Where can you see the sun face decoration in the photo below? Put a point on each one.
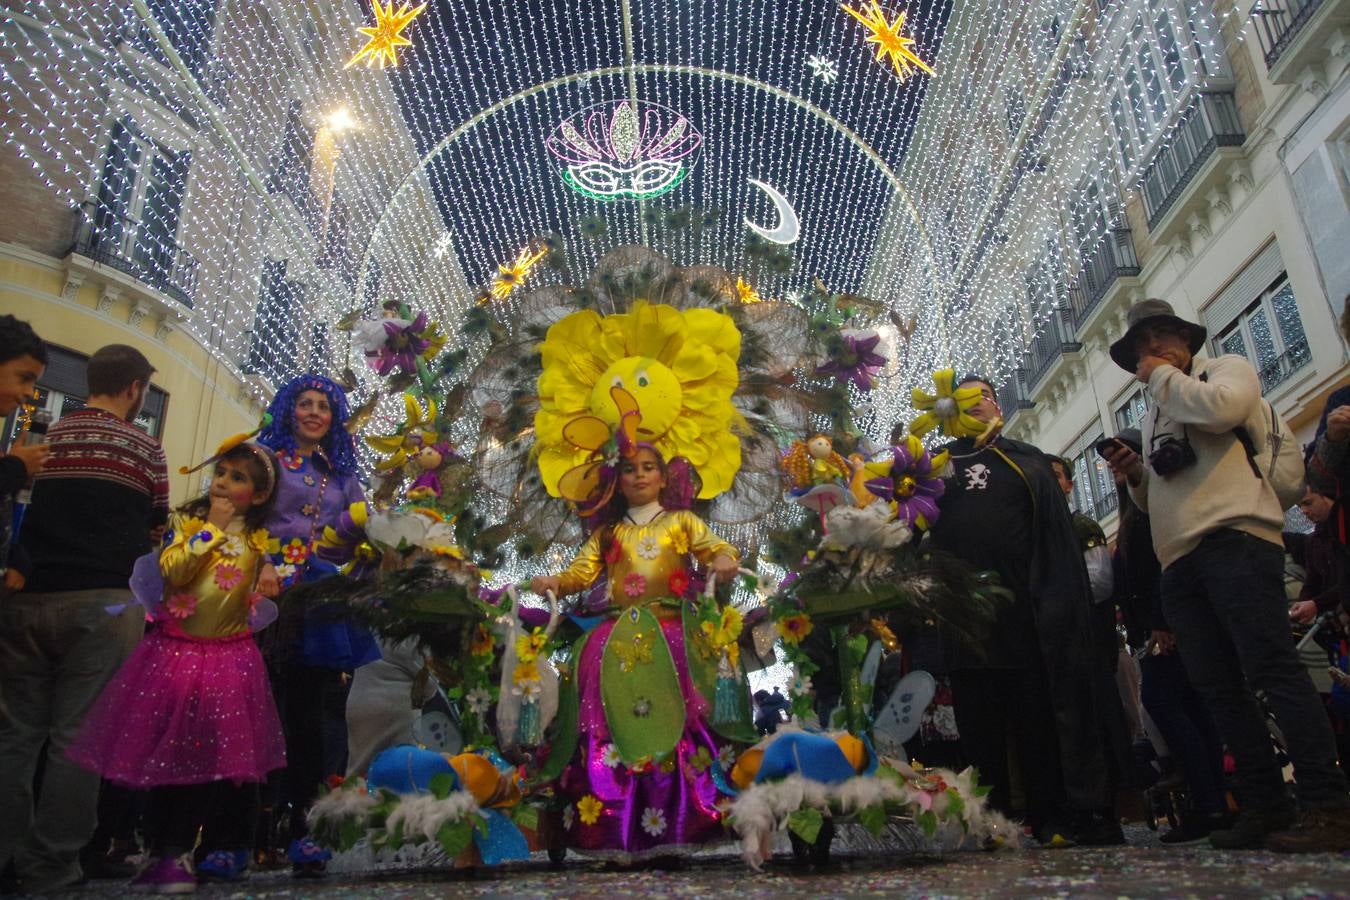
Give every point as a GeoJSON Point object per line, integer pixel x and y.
{"type": "Point", "coordinates": [680, 366]}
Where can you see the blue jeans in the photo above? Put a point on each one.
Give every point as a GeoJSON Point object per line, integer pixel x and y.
{"type": "Point", "coordinates": [1225, 602]}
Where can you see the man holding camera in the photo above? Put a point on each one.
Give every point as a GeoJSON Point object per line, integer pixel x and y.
{"type": "Point", "coordinates": [1216, 526]}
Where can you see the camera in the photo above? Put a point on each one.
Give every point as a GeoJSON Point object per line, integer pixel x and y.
{"type": "Point", "coordinates": [1170, 455]}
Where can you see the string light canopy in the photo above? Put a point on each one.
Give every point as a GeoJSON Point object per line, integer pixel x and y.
{"type": "Point", "coordinates": [196, 142]}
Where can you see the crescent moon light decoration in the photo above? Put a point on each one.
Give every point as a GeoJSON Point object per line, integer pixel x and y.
{"type": "Point", "coordinates": [789, 228]}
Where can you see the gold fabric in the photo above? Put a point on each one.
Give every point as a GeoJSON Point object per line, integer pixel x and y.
{"type": "Point", "coordinates": [651, 552]}
{"type": "Point", "coordinates": [219, 569]}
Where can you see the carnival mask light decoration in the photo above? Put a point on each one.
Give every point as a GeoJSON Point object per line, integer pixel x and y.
{"type": "Point", "coordinates": [625, 150]}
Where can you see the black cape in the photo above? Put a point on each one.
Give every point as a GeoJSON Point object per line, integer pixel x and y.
{"type": "Point", "coordinates": [1062, 602]}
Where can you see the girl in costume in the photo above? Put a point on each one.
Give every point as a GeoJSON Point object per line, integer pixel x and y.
{"type": "Point", "coordinates": [310, 661]}
{"type": "Point", "coordinates": [190, 715]}
{"type": "Point", "coordinates": [641, 783]}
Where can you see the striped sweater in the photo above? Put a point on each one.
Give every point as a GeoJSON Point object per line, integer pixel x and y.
{"type": "Point", "coordinates": [105, 486]}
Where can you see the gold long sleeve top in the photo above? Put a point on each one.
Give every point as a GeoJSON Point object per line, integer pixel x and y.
{"type": "Point", "coordinates": [210, 575]}
{"type": "Point", "coordinates": [642, 558]}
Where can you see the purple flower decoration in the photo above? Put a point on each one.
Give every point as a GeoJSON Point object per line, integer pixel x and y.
{"type": "Point", "coordinates": [907, 478]}
{"type": "Point", "coordinates": [856, 359]}
{"type": "Point", "coordinates": [403, 343]}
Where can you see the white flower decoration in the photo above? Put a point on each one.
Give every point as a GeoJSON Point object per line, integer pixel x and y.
{"type": "Point", "coordinates": [569, 816]}
{"type": "Point", "coordinates": [478, 701]}
{"type": "Point", "coordinates": [727, 756]}
{"type": "Point", "coordinates": [654, 821]}
{"type": "Point", "coordinates": [285, 571]}
{"type": "Point", "coordinates": [233, 545]}
{"type": "Point", "coordinates": [648, 547]}
{"type": "Point", "coordinates": [802, 685]}
{"type": "Point", "coordinates": [528, 689]}
{"type": "Point", "coordinates": [610, 756]}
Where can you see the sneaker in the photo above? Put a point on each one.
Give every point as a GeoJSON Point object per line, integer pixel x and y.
{"type": "Point", "coordinates": [1193, 829]}
{"type": "Point", "coordinates": [1316, 831]}
{"type": "Point", "coordinates": [1054, 837]}
{"type": "Point", "coordinates": [308, 859]}
{"type": "Point", "coordinates": [1249, 829]}
{"type": "Point", "coordinates": [166, 875]}
{"type": "Point", "coordinates": [223, 865]}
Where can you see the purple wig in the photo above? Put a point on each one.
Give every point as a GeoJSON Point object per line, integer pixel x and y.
{"type": "Point", "coordinates": [337, 444]}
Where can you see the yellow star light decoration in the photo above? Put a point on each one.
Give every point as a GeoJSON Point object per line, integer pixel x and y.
{"type": "Point", "coordinates": [746, 293]}
{"type": "Point", "coordinates": [513, 274]}
{"type": "Point", "coordinates": [890, 39]}
{"type": "Point", "coordinates": [386, 37]}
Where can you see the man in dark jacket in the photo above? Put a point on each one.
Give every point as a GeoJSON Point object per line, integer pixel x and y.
{"type": "Point", "coordinates": [1034, 689]}
{"type": "Point", "coordinates": [23, 358]}
{"type": "Point", "coordinates": [104, 489]}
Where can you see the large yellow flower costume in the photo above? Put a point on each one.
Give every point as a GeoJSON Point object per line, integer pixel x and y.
{"type": "Point", "coordinates": [680, 365]}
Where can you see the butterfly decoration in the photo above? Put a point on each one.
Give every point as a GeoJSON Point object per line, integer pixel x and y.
{"type": "Point", "coordinates": [591, 484]}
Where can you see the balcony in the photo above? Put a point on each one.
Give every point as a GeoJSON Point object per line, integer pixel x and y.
{"type": "Point", "coordinates": [1277, 371]}
{"type": "Point", "coordinates": [1054, 341]}
{"type": "Point", "coordinates": [126, 245]}
{"type": "Point", "coordinates": [1211, 123]}
{"type": "Point", "coordinates": [1012, 395]}
{"type": "Point", "coordinates": [1278, 23]}
{"type": "Point", "coordinates": [1112, 258]}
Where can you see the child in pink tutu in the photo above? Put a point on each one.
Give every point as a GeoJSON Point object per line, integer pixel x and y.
{"type": "Point", "coordinates": [190, 715]}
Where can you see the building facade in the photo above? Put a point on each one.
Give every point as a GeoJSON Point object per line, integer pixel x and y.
{"type": "Point", "coordinates": [1240, 218]}
{"type": "Point", "coordinates": [159, 193]}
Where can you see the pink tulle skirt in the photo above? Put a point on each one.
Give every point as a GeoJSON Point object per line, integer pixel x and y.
{"type": "Point", "coordinates": [184, 710]}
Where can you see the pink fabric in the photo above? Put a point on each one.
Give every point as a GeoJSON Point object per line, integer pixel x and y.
{"type": "Point", "coordinates": [184, 710]}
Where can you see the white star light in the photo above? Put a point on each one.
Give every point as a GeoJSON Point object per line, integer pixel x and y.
{"type": "Point", "coordinates": [823, 68]}
{"type": "Point", "coordinates": [442, 245]}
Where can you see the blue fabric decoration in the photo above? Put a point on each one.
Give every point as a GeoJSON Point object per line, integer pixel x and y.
{"type": "Point", "coordinates": [815, 756]}
{"type": "Point", "coordinates": [503, 841]}
{"type": "Point", "coordinates": [586, 623]}
{"type": "Point", "coordinates": [407, 769]}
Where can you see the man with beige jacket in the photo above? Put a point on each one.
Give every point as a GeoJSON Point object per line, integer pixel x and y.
{"type": "Point", "coordinates": [1216, 526]}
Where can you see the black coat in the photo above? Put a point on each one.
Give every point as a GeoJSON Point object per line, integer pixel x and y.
{"type": "Point", "coordinates": [1061, 599]}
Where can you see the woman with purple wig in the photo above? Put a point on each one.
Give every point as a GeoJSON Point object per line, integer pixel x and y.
{"type": "Point", "coordinates": [643, 782]}
{"type": "Point", "coordinates": [311, 662]}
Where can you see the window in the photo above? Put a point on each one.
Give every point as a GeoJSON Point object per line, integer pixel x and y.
{"type": "Point", "coordinates": [62, 389]}
{"type": "Point", "coordinates": [1094, 490]}
{"type": "Point", "coordinates": [1270, 334]}
{"type": "Point", "coordinates": [1131, 413]}
{"type": "Point", "coordinates": [140, 196]}
{"type": "Point", "coordinates": [1153, 66]}
{"type": "Point", "coordinates": [276, 333]}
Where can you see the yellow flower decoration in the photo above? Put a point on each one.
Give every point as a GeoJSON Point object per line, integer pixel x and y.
{"type": "Point", "coordinates": [947, 408]}
{"type": "Point", "coordinates": [795, 628]}
{"type": "Point", "coordinates": [680, 366]}
{"type": "Point", "coordinates": [482, 643]}
{"type": "Point", "coordinates": [525, 672]}
{"type": "Point", "coordinates": [724, 634]}
{"type": "Point", "coordinates": [416, 432]}
{"type": "Point", "coordinates": [529, 645]}
{"type": "Point", "coordinates": [589, 809]}
{"type": "Point", "coordinates": [679, 541]}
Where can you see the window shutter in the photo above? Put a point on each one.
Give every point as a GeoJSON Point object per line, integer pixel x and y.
{"type": "Point", "coordinates": [1243, 290]}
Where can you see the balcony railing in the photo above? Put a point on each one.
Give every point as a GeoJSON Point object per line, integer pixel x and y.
{"type": "Point", "coordinates": [1278, 370]}
{"type": "Point", "coordinates": [1278, 22]}
{"type": "Point", "coordinates": [124, 244]}
{"type": "Point", "coordinates": [1012, 395]}
{"type": "Point", "coordinates": [1052, 343]}
{"type": "Point", "coordinates": [1112, 258]}
{"type": "Point", "coordinates": [1210, 123]}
